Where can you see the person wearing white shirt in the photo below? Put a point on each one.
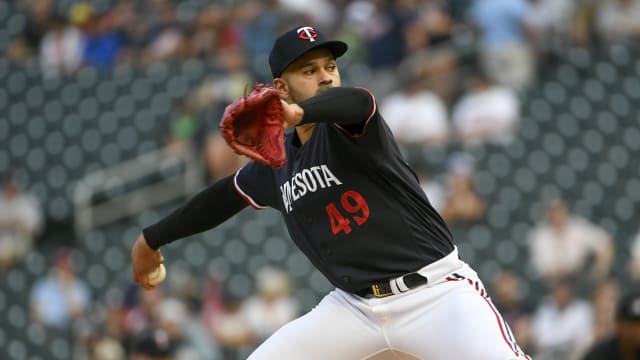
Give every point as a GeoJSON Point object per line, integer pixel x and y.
{"type": "Point", "coordinates": [21, 220]}
{"type": "Point", "coordinates": [634, 262]}
{"type": "Point", "coordinates": [416, 115]}
{"type": "Point", "coordinates": [618, 21]}
{"type": "Point", "coordinates": [563, 243]}
{"type": "Point", "coordinates": [486, 113]}
{"type": "Point", "coordinates": [273, 306]}
{"type": "Point", "coordinates": [61, 49]}
{"type": "Point", "coordinates": [562, 327]}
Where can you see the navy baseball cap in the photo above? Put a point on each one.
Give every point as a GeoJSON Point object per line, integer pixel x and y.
{"type": "Point", "coordinates": [296, 42]}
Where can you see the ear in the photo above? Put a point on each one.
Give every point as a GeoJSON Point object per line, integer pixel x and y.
{"type": "Point", "coordinates": [281, 85]}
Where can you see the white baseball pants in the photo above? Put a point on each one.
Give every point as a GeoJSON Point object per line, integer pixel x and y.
{"type": "Point", "coordinates": [450, 317]}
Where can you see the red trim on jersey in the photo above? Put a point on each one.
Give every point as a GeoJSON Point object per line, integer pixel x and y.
{"type": "Point", "coordinates": [373, 111]}
{"type": "Point", "coordinates": [508, 336]}
{"type": "Point", "coordinates": [244, 195]}
{"type": "Point", "coordinates": [502, 325]}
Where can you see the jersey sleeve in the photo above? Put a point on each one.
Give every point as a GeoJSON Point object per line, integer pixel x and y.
{"type": "Point", "coordinates": [358, 129]}
{"type": "Point", "coordinates": [255, 183]}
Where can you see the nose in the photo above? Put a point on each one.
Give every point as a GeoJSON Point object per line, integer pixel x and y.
{"type": "Point", "coordinates": [325, 78]}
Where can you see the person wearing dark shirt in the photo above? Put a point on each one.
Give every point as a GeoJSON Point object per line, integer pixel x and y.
{"type": "Point", "coordinates": [625, 344]}
{"type": "Point", "coordinates": [356, 209]}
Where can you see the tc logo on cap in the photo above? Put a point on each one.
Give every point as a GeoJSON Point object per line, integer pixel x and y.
{"type": "Point", "coordinates": [307, 33]}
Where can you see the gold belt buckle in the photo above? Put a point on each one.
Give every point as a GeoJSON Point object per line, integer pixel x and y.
{"type": "Point", "coordinates": [377, 293]}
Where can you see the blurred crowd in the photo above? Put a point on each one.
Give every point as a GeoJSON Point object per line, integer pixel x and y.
{"type": "Point", "coordinates": [429, 62]}
{"type": "Point", "coordinates": [187, 318]}
{"type": "Point", "coordinates": [447, 75]}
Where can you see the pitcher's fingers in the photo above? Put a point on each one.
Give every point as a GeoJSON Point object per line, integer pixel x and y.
{"type": "Point", "coordinates": [144, 282]}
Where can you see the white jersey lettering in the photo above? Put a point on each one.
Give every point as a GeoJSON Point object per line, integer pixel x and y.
{"type": "Point", "coordinates": [317, 175]}
{"type": "Point", "coordinates": [328, 176]}
{"type": "Point", "coordinates": [300, 185]}
{"type": "Point", "coordinates": [305, 182]}
{"type": "Point", "coordinates": [309, 181]}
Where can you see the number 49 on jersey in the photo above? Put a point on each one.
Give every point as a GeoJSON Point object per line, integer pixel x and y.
{"type": "Point", "coordinates": [353, 206]}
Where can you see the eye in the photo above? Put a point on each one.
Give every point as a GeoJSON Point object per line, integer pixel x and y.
{"type": "Point", "coordinates": [331, 67]}
{"type": "Point", "coordinates": [309, 72]}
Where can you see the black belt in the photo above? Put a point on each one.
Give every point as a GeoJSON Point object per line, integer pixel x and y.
{"type": "Point", "coordinates": [384, 289]}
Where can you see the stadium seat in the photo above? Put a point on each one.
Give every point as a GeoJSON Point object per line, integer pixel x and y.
{"type": "Point", "coordinates": [16, 349]}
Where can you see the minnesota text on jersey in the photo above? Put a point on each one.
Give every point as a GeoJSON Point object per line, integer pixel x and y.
{"type": "Point", "coordinates": [306, 181]}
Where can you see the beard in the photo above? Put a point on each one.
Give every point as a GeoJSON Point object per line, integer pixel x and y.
{"type": "Point", "coordinates": [295, 95]}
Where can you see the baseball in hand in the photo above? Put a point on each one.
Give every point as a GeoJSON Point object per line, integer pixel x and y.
{"type": "Point", "coordinates": [157, 275]}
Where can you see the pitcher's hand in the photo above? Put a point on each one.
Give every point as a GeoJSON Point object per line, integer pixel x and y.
{"type": "Point", "coordinates": [144, 260]}
{"type": "Point", "coordinates": [292, 114]}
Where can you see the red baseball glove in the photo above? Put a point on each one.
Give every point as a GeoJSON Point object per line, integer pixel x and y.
{"type": "Point", "coordinates": [253, 126]}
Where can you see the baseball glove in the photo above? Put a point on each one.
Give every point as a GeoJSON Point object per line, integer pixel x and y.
{"type": "Point", "coordinates": [253, 126]}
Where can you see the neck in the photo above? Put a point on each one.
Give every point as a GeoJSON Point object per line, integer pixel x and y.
{"type": "Point", "coordinates": [304, 132]}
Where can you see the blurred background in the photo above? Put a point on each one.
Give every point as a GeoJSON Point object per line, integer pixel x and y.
{"type": "Point", "coordinates": [521, 118]}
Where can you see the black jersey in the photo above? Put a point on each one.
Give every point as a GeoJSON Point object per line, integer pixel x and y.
{"type": "Point", "coordinates": [351, 204]}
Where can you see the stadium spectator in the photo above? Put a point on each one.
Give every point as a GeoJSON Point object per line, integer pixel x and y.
{"type": "Point", "coordinates": [550, 22]}
{"type": "Point", "coordinates": [139, 314]}
{"type": "Point", "coordinates": [184, 332]}
{"type": "Point", "coordinates": [625, 343]}
{"type": "Point", "coordinates": [184, 129]}
{"type": "Point", "coordinates": [107, 348]}
{"type": "Point", "coordinates": [206, 29]}
{"type": "Point", "coordinates": [440, 68]}
{"type": "Point", "coordinates": [562, 326]}
{"type": "Point", "coordinates": [260, 28]}
{"type": "Point", "coordinates": [462, 204]}
{"type": "Point", "coordinates": [184, 307]}
{"type": "Point", "coordinates": [231, 329]}
{"type": "Point", "coordinates": [563, 243]}
{"type": "Point", "coordinates": [320, 12]}
{"type": "Point", "coordinates": [421, 22]}
{"type": "Point", "coordinates": [618, 21]}
{"type": "Point", "coordinates": [61, 297]}
{"type": "Point", "coordinates": [214, 95]}
{"type": "Point", "coordinates": [582, 24]}
{"type": "Point", "coordinates": [272, 306]}
{"type": "Point", "coordinates": [634, 261]}
{"type": "Point", "coordinates": [133, 29]}
{"type": "Point", "coordinates": [21, 221]}
{"type": "Point", "coordinates": [153, 344]}
{"type": "Point", "coordinates": [352, 29]}
{"type": "Point", "coordinates": [103, 41]}
{"type": "Point", "coordinates": [507, 296]}
{"type": "Point", "coordinates": [504, 41]}
{"type": "Point", "coordinates": [166, 38]}
{"type": "Point", "coordinates": [61, 49]}
{"type": "Point", "coordinates": [384, 44]}
{"type": "Point", "coordinates": [486, 113]}
{"type": "Point", "coordinates": [604, 300]}
{"type": "Point", "coordinates": [38, 15]}
{"type": "Point", "coordinates": [437, 19]}
{"type": "Point", "coordinates": [415, 115]}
